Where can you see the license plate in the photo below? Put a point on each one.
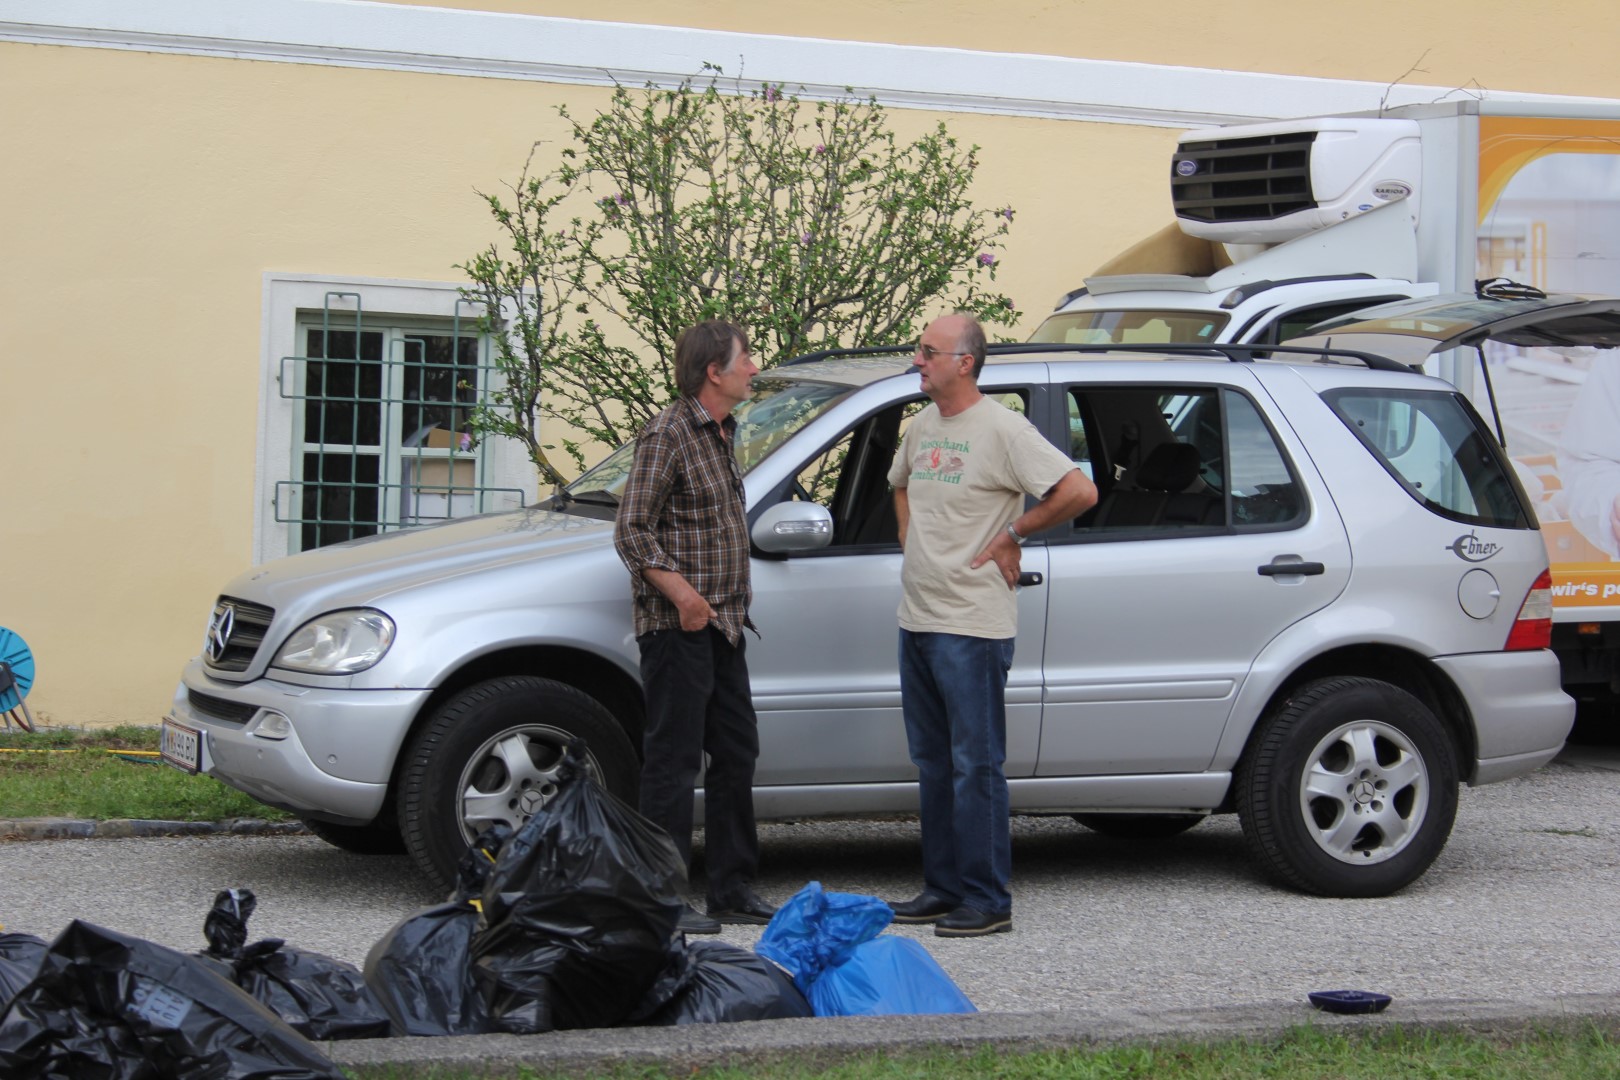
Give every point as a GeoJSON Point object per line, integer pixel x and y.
{"type": "Point", "coordinates": [180, 746]}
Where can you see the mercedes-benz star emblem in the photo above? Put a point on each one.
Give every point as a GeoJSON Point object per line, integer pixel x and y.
{"type": "Point", "coordinates": [220, 627]}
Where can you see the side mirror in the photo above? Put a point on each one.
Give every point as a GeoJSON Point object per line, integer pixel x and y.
{"type": "Point", "coordinates": [789, 527]}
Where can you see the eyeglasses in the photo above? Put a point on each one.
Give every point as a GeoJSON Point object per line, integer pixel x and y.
{"type": "Point", "coordinates": [930, 354]}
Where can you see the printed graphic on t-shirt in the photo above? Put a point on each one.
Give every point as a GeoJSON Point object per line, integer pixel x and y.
{"type": "Point", "coordinates": [940, 459]}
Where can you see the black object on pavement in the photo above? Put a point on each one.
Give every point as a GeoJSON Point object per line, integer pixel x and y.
{"type": "Point", "coordinates": [711, 982]}
{"type": "Point", "coordinates": [579, 911]}
{"type": "Point", "coordinates": [20, 957]}
{"type": "Point", "coordinates": [113, 1007]}
{"type": "Point", "coordinates": [420, 972]}
{"type": "Point", "coordinates": [1349, 1001]}
{"type": "Point", "coordinates": [318, 996]}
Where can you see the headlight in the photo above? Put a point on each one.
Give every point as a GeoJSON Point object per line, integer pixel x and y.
{"type": "Point", "coordinates": [338, 643]}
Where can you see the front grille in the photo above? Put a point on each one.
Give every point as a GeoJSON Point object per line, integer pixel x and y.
{"type": "Point", "coordinates": [229, 712]}
{"type": "Point", "coordinates": [248, 625]}
{"type": "Point", "coordinates": [1254, 179]}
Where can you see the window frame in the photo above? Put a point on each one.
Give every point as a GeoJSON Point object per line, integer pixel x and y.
{"type": "Point", "coordinates": [1075, 532]}
{"type": "Point", "coordinates": [286, 303]}
{"type": "Point", "coordinates": [1525, 519]}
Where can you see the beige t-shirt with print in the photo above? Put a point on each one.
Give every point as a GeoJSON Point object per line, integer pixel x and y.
{"type": "Point", "coordinates": [965, 478]}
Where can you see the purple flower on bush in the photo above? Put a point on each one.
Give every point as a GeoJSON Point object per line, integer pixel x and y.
{"type": "Point", "coordinates": [821, 148]}
{"type": "Point", "coordinates": [804, 238]}
{"type": "Point", "coordinates": [986, 259]}
{"type": "Point", "coordinates": [772, 93]}
{"type": "Point", "coordinates": [1006, 212]}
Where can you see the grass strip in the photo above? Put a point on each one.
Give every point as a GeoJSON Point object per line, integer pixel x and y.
{"type": "Point", "coordinates": [69, 773]}
{"type": "Point", "coordinates": [1306, 1053]}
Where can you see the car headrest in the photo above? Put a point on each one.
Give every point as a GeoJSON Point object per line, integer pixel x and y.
{"type": "Point", "coordinates": [1170, 467]}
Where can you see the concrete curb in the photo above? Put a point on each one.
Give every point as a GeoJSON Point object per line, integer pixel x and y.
{"type": "Point", "coordinates": [124, 828]}
{"type": "Point", "coordinates": [824, 1041]}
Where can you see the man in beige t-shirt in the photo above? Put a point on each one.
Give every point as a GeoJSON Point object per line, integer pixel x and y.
{"type": "Point", "coordinates": [960, 478]}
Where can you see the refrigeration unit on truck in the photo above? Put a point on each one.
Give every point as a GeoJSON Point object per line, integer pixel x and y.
{"type": "Point", "coordinates": [1283, 226]}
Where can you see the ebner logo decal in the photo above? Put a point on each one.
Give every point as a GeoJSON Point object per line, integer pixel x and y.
{"type": "Point", "coordinates": [1390, 190]}
{"type": "Point", "coordinates": [1470, 548]}
{"type": "Point", "coordinates": [1186, 167]}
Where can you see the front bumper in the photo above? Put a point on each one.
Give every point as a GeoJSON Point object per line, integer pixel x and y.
{"type": "Point", "coordinates": [1521, 714]}
{"type": "Point", "coordinates": [336, 760]}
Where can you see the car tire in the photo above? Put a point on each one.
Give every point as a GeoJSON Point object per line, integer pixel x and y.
{"type": "Point", "coordinates": [491, 753]}
{"type": "Point", "coordinates": [1139, 826]}
{"type": "Point", "coordinates": [1349, 789]}
{"type": "Point", "coordinates": [381, 837]}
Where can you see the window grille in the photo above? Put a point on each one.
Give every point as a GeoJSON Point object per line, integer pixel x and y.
{"type": "Point", "coordinates": [382, 439]}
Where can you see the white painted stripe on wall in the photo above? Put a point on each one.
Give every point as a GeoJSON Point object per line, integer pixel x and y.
{"type": "Point", "coordinates": [359, 33]}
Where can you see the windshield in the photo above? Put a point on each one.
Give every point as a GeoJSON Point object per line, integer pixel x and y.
{"type": "Point", "coordinates": [1141, 326]}
{"type": "Point", "coordinates": [778, 408]}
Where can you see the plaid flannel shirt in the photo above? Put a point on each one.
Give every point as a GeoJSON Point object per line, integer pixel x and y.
{"type": "Point", "coordinates": [683, 509]}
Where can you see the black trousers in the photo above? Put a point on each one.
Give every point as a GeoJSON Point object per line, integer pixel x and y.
{"type": "Point", "coordinates": [698, 701]}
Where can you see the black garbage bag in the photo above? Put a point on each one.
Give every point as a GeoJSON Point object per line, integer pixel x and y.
{"type": "Point", "coordinates": [711, 982]}
{"type": "Point", "coordinates": [578, 912]}
{"type": "Point", "coordinates": [20, 956]}
{"type": "Point", "coordinates": [106, 1006]}
{"type": "Point", "coordinates": [319, 997]}
{"type": "Point", "coordinates": [420, 972]}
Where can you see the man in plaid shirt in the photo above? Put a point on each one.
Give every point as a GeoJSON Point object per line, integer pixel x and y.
{"type": "Point", "coordinates": [682, 532]}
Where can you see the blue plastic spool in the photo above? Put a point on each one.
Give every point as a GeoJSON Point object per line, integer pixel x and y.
{"type": "Point", "coordinates": [14, 651]}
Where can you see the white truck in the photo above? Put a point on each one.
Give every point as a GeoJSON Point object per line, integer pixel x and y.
{"type": "Point", "coordinates": [1282, 226]}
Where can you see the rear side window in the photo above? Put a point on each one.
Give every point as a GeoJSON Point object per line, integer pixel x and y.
{"type": "Point", "coordinates": [1168, 459]}
{"type": "Point", "coordinates": [1439, 449]}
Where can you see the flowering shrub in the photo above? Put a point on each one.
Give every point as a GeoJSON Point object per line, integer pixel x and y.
{"type": "Point", "coordinates": [808, 223]}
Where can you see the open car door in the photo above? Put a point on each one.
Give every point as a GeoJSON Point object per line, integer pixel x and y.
{"type": "Point", "coordinates": [1411, 331]}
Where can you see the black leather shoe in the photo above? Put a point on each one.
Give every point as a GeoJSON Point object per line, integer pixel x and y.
{"type": "Point", "coordinates": [693, 921]}
{"type": "Point", "coordinates": [922, 908]}
{"type": "Point", "coordinates": [745, 907]}
{"type": "Point", "coordinates": [971, 922]}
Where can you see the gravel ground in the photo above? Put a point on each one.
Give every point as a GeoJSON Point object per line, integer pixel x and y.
{"type": "Point", "coordinates": [1520, 904]}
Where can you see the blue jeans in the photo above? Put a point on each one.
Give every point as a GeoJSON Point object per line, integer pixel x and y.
{"type": "Point", "coordinates": [953, 695]}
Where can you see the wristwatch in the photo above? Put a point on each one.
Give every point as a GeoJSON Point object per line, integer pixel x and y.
{"type": "Point", "coordinates": [1012, 532]}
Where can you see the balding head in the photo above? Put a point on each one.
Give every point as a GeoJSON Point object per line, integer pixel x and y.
{"type": "Point", "coordinates": [968, 335]}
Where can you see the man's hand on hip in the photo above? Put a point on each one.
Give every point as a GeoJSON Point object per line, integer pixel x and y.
{"type": "Point", "coordinates": [1005, 554]}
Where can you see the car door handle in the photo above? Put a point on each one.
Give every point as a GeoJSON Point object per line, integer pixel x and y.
{"type": "Point", "coordinates": [1291, 564]}
{"type": "Point", "coordinates": [1030, 577]}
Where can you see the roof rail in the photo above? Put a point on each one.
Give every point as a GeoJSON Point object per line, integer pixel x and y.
{"type": "Point", "coordinates": [828, 354]}
{"type": "Point", "coordinates": [1237, 354]}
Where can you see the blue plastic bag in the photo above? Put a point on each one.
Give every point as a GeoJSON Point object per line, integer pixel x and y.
{"type": "Point", "coordinates": [818, 930]}
{"type": "Point", "coordinates": [887, 976]}
{"type": "Point", "coordinates": [829, 942]}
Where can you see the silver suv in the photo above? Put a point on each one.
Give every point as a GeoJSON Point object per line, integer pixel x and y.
{"type": "Point", "coordinates": [1312, 593]}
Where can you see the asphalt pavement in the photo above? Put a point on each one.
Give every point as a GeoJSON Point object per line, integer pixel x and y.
{"type": "Point", "coordinates": [1515, 925]}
